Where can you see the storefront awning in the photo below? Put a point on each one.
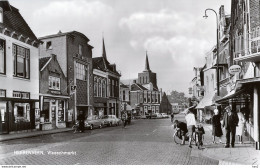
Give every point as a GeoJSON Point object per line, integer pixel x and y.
{"type": "Point", "coordinates": [206, 101]}
{"type": "Point", "coordinates": [231, 95]}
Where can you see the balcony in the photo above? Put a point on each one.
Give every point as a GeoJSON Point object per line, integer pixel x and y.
{"type": "Point", "coordinates": [250, 54]}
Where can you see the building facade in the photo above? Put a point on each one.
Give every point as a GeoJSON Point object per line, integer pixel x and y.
{"type": "Point", "coordinates": [19, 89]}
{"type": "Point", "coordinates": [145, 97]}
{"type": "Point", "coordinates": [74, 55]}
{"type": "Point", "coordinates": [53, 94]}
{"type": "Point", "coordinates": [125, 97]}
{"type": "Point", "coordinates": [106, 86]}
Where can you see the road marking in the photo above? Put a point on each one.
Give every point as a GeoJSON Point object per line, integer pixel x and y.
{"type": "Point", "coordinates": [154, 130]}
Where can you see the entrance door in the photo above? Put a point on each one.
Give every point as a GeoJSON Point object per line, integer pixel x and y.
{"type": "Point", "coordinates": [3, 118]}
{"type": "Point", "coordinates": [53, 116]}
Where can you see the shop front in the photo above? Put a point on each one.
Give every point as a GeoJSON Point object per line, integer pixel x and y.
{"type": "Point", "coordinates": [53, 113]}
{"type": "Point", "coordinates": [17, 115]}
{"type": "Point", "coordinates": [100, 109]}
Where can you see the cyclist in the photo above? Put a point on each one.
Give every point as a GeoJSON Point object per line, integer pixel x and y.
{"type": "Point", "coordinates": [183, 130]}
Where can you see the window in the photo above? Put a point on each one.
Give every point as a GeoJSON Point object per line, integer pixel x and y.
{"type": "Point", "coordinates": [22, 95]}
{"type": "Point", "coordinates": [61, 114]}
{"type": "Point", "coordinates": [81, 71]}
{"type": "Point", "coordinates": [54, 83]}
{"type": "Point", "coordinates": [80, 49]}
{"type": "Point", "coordinates": [21, 57]}
{"type": "Point", "coordinates": [103, 88]}
{"type": "Point", "coordinates": [2, 56]}
{"type": "Point", "coordinates": [1, 15]}
{"type": "Point", "coordinates": [141, 97]}
{"type": "Point", "coordinates": [113, 88]}
{"type": "Point", "coordinates": [145, 97]}
{"type": "Point", "coordinates": [109, 87]}
{"type": "Point", "coordinates": [123, 95]}
{"type": "Point", "coordinates": [48, 45]}
{"type": "Point", "coordinates": [2, 93]}
{"type": "Point", "coordinates": [99, 88]}
{"type": "Point", "coordinates": [95, 87]}
{"type": "Point", "coordinates": [149, 97]}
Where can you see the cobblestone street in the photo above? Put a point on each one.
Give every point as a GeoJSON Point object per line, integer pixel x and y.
{"type": "Point", "coordinates": [141, 143]}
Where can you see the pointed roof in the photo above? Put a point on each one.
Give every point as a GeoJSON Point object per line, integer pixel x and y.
{"type": "Point", "coordinates": [104, 55]}
{"type": "Point", "coordinates": [147, 67]}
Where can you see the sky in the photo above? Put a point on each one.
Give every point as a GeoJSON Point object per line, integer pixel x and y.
{"type": "Point", "coordinates": [173, 32]}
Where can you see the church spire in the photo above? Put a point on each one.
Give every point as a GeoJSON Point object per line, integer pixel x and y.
{"type": "Point", "coordinates": [147, 67]}
{"type": "Point", "coordinates": [104, 55]}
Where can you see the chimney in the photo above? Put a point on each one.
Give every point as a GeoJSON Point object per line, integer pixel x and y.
{"type": "Point", "coordinates": [53, 56]}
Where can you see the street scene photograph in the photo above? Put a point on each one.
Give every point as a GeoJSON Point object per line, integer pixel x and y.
{"type": "Point", "coordinates": [130, 83]}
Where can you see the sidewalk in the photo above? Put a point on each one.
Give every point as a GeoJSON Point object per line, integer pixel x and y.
{"type": "Point", "coordinates": [7, 137]}
{"type": "Point", "coordinates": [241, 154]}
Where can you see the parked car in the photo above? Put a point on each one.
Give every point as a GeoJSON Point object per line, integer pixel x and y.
{"type": "Point", "coordinates": [94, 121]}
{"type": "Point", "coordinates": [164, 115]}
{"type": "Point", "coordinates": [158, 115]}
{"type": "Point", "coordinates": [111, 120]}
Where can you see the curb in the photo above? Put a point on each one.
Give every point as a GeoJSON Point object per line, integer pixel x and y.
{"type": "Point", "coordinates": [33, 135]}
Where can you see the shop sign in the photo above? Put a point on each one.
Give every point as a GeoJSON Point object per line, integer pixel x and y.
{"type": "Point", "coordinates": [55, 92]}
{"type": "Point", "coordinates": [234, 69]}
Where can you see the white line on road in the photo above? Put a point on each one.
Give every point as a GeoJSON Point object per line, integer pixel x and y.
{"type": "Point", "coordinates": [154, 130]}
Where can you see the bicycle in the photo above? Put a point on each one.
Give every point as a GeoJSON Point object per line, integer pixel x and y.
{"type": "Point", "coordinates": [177, 137]}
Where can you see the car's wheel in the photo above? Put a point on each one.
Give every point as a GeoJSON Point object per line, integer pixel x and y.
{"type": "Point", "coordinates": [91, 127]}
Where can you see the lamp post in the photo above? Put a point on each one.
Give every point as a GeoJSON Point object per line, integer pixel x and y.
{"type": "Point", "coordinates": [217, 45]}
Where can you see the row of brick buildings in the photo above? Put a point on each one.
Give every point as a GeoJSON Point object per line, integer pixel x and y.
{"type": "Point", "coordinates": [49, 79]}
{"type": "Point", "coordinates": [238, 65]}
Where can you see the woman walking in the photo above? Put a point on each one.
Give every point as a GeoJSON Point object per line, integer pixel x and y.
{"type": "Point", "coordinates": [216, 126]}
{"type": "Point", "coordinates": [240, 127]}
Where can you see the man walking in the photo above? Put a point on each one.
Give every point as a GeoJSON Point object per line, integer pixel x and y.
{"type": "Point", "coordinates": [172, 117]}
{"type": "Point", "coordinates": [230, 121]}
{"type": "Point", "coordinates": [81, 119]}
{"type": "Point", "coordinates": [124, 118]}
{"type": "Point", "coordinates": [191, 122]}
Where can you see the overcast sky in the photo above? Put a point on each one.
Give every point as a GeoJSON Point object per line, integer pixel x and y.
{"type": "Point", "coordinates": [173, 32]}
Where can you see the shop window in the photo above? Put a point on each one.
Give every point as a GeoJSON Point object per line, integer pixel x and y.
{"type": "Point", "coordinates": [21, 58]}
{"type": "Point", "coordinates": [2, 57]}
{"type": "Point", "coordinates": [22, 112]}
{"type": "Point", "coordinates": [2, 93]}
{"type": "Point", "coordinates": [54, 83]}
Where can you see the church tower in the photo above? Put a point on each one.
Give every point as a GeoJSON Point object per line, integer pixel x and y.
{"type": "Point", "coordinates": [147, 76]}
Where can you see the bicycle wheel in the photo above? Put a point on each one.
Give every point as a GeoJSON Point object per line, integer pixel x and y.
{"type": "Point", "coordinates": [176, 139]}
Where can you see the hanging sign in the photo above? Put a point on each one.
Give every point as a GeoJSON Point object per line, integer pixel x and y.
{"type": "Point", "coordinates": [234, 69]}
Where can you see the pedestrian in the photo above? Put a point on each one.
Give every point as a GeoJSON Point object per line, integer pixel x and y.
{"type": "Point", "coordinates": [230, 121]}
{"type": "Point", "coordinates": [191, 122]}
{"type": "Point", "coordinates": [81, 119]}
{"type": "Point", "coordinates": [124, 118]}
{"type": "Point", "coordinates": [241, 125]}
{"type": "Point", "coordinates": [172, 117]}
{"type": "Point", "coordinates": [200, 132]}
{"type": "Point", "coordinates": [216, 126]}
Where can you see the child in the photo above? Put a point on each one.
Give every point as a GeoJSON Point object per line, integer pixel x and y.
{"type": "Point", "coordinates": [200, 131]}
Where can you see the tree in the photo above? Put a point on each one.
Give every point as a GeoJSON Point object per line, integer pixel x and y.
{"type": "Point", "coordinates": [177, 97]}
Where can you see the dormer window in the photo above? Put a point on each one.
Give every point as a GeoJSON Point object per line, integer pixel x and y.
{"type": "Point", "coordinates": [48, 45]}
{"type": "Point", "coordinates": [1, 15]}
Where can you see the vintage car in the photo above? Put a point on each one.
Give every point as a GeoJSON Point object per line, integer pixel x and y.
{"type": "Point", "coordinates": [164, 115]}
{"type": "Point", "coordinates": [111, 120]}
{"type": "Point", "coordinates": [94, 121]}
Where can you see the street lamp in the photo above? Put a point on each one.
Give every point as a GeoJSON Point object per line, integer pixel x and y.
{"type": "Point", "coordinates": [217, 45]}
